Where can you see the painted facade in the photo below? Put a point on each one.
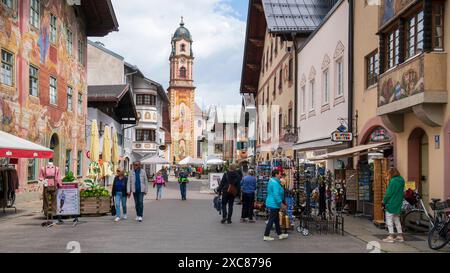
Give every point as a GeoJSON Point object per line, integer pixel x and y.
{"type": "Point", "coordinates": [56, 49]}
{"type": "Point", "coordinates": [182, 95]}
{"type": "Point", "coordinates": [410, 99]}
{"type": "Point", "coordinates": [275, 97]}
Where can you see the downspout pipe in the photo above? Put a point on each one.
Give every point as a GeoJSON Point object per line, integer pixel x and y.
{"type": "Point", "coordinates": [351, 68]}
{"type": "Point", "coordinates": [295, 89]}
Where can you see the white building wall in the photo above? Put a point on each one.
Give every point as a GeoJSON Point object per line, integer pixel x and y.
{"type": "Point", "coordinates": [328, 45]}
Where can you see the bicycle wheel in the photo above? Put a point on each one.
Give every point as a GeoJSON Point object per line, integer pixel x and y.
{"type": "Point", "coordinates": [417, 221]}
{"type": "Point", "coordinates": [439, 236]}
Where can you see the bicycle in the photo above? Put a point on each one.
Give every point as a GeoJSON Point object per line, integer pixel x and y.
{"type": "Point", "coordinates": [417, 217]}
{"type": "Point", "coordinates": [439, 235]}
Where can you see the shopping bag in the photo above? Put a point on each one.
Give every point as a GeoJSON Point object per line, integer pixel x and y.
{"type": "Point", "coordinates": [113, 207]}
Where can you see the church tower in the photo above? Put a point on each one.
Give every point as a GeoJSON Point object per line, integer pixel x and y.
{"type": "Point", "coordinates": [182, 94]}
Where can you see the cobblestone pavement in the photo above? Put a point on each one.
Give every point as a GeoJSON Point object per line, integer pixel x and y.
{"type": "Point", "coordinates": [170, 225]}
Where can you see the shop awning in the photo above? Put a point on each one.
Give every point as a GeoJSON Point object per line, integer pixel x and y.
{"type": "Point", "coordinates": [15, 147]}
{"type": "Point", "coordinates": [357, 150]}
{"type": "Point", "coordinates": [317, 144]}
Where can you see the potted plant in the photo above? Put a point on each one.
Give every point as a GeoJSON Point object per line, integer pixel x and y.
{"type": "Point", "coordinates": [94, 199]}
{"type": "Point", "coordinates": [69, 178]}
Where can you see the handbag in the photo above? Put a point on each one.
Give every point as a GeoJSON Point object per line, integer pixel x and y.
{"type": "Point", "coordinates": [113, 207]}
{"type": "Point", "coordinates": [232, 189]}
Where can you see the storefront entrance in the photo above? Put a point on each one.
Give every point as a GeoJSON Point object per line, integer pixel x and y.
{"type": "Point", "coordinates": [418, 161]}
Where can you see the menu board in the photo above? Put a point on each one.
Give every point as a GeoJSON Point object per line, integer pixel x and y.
{"type": "Point", "coordinates": [214, 180]}
{"type": "Point", "coordinates": [68, 200]}
{"type": "Point", "coordinates": [351, 185]}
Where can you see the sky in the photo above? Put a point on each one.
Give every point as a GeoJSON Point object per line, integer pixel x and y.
{"type": "Point", "coordinates": [218, 29]}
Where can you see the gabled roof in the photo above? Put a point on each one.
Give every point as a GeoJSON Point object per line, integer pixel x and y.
{"type": "Point", "coordinates": [162, 93]}
{"type": "Point", "coordinates": [295, 15]}
{"type": "Point", "coordinates": [115, 101]}
{"type": "Point", "coordinates": [102, 47]}
{"type": "Point", "coordinates": [279, 17]}
{"type": "Point", "coordinates": [100, 17]}
{"type": "Point", "coordinates": [107, 92]}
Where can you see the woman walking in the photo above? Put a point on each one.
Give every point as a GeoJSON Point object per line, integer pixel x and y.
{"type": "Point", "coordinates": [119, 191]}
{"type": "Point", "coordinates": [159, 183]}
{"type": "Point", "coordinates": [274, 202]}
{"type": "Point", "coordinates": [393, 201]}
{"type": "Point", "coordinates": [248, 186]}
{"type": "Point", "coordinates": [229, 186]}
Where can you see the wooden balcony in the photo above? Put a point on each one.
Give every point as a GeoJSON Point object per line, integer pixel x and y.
{"type": "Point", "coordinates": [418, 85]}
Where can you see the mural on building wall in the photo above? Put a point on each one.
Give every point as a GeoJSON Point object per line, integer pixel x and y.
{"type": "Point", "coordinates": [402, 83]}
{"type": "Point", "coordinates": [182, 124]}
{"type": "Point", "coordinates": [30, 117]}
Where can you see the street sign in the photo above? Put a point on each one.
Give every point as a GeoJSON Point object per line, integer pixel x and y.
{"type": "Point", "coordinates": [341, 136]}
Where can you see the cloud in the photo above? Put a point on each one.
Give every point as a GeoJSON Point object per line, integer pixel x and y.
{"type": "Point", "coordinates": [218, 30]}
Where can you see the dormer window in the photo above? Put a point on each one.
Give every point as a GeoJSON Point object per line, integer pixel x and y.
{"type": "Point", "coordinates": [183, 48]}
{"type": "Point", "coordinates": [183, 72]}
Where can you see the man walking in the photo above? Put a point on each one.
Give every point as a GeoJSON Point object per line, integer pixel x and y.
{"type": "Point", "coordinates": [138, 185]}
{"type": "Point", "coordinates": [183, 180]}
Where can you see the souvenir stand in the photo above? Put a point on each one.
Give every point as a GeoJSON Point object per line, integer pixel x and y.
{"type": "Point", "coordinates": [8, 185]}
{"type": "Point", "coordinates": [263, 176]}
{"type": "Point", "coordinates": [13, 148]}
{"type": "Point", "coordinates": [314, 203]}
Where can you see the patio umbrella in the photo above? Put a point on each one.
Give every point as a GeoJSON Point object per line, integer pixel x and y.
{"type": "Point", "coordinates": [155, 160]}
{"type": "Point", "coordinates": [215, 161]}
{"type": "Point", "coordinates": [191, 161]}
{"type": "Point", "coordinates": [95, 142]}
{"type": "Point", "coordinates": [94, 151]}
{"type": "Point", "coordinates": [106, 155]}
{"type": "Point", "coordinates": [115, 151]}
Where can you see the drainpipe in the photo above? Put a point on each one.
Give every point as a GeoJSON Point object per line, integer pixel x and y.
{"type": "Point", "coordinates": [351, 68]}
{"type": "Point", "coordinates": [295, 90]}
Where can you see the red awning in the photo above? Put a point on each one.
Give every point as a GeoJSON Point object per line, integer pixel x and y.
{"type": "Point", "coordinates": [15, 147]}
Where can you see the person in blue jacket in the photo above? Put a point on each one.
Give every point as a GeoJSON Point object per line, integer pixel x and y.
{"type": "Point", "coordinates": [274, 202]}
{"type": "Point", "coordinates": [248, 188]}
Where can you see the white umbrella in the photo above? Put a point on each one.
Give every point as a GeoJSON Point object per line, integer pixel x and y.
{"type": "Point", "coordinates": [155, 160]}
{"type": "Point", "coordinates": [191, 161]}
{"type": "Point", "coordinates": [215, 161]}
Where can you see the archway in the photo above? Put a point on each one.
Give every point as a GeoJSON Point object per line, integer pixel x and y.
{"type": "Point", "coordinates": [418, 160]}
{"type": "Point", "coordinates": [56, 147]}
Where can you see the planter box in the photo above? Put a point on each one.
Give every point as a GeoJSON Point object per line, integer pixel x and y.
{"type": "Point", "coordinates": [95, 205]}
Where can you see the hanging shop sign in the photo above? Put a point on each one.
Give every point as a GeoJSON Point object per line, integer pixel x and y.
{"type": "Point", "coordinates": [379, 134]}
{"type": "Point", "coordinates": [341, 137]}
{"type": "Point", "coordinates": [68, 200]}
